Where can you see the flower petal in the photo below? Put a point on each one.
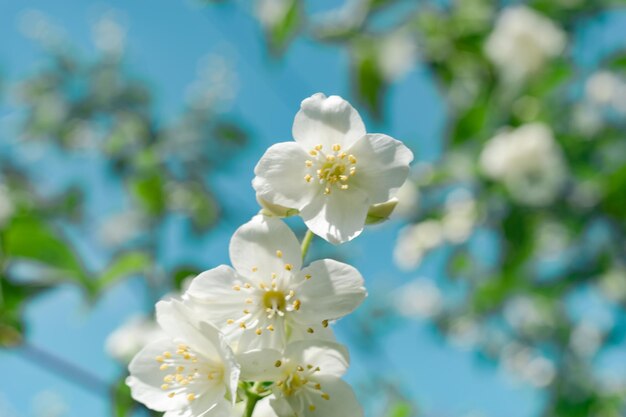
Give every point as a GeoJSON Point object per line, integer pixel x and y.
{"type": "Point", "coordinates": [264, 408]}
{"type": "Point", "coordinates": [339, 216]}
{"type": "Point", "coordinates": [327, 121]}
{"type": "Point", "coordinates": [328, 290]}
{"type": "Point", "coordinates": [204, 407]}
{"type": "Point", "coordinates": [382, 167]}
{"type": "Point", "coordinates": [177, 320]}
{"type": "Point", "coordinates": [146, 378]}
{"type": "Point", "coordinates": [260, 365]}
{"type": "Point", "coordinates": [280, 176]}
{"type": "Point", "coordinates": [264, 245]}
{"type": "Point", "coordinates": [331, 357]}
{"type": "Point", "coordinates": [341, 401]}
{"type": "Point", "coordinates": [310, 332]}
{"type": "Point", "coordinates": [214, 295]}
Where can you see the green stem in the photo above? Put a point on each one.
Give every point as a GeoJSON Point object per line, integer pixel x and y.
{"type": "Point", "coordinates": [306, 242]}
{"type": "Point", "coordinates": [251, 403]}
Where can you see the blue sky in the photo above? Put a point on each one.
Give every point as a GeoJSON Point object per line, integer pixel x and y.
{"type": "Point", "coordinates": [166, 41]}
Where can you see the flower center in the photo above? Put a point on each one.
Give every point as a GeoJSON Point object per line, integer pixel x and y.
{"type": "Point", "coordinates": [302, 382]}
{"type": "Point", "coordinates": [269, 300]}
{"type": "Point", "coordinates": [274, 300]}
{"type": "Point", "coordinates": [182, 372]}
{"type": "Point", "coordinates": [332, 169]}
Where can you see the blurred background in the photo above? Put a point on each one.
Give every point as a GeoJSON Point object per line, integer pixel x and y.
{"type": "Point", "coordinates": [128, 136]}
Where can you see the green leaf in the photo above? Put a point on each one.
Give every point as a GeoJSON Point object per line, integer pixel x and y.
{"type": "Point", "coordinates": [12, 299]}
{"type": "Point", "coordinates": [123, 403]}
{"type": "Point", "coordinates": [124, 266]}
{"type": "Point", "coordinates": [280, 33]}
{"type": "Point", "coordinates": [30, 238]}
{"type": "Point", "coordinates": [369, 84]}
{"type": "Point", "coordinates": [400, 409]}
{"type": "Point", "coordinates": [150, 191]}
{"type": "Point", "coordinates": [182, 273]}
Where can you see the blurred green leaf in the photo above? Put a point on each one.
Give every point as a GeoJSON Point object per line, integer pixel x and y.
{"type": "Point", "coordinates": [368, 82]}
{"type": "Point", "coordinates": [280, 33]}
{"type": "Point", "coordinates": [27, 237]}
{"type": "Point", "coordinates": [182, 273]}
{"type": "Point", "coordinates": [124, 266]}
{"type": "Point", "coordinates": [123, 404]}
{"type": "Point", "coordinates": [400, 409]}
{"type": "Point", "coordinates": [150, 193]}
{"type": "Point", "coordinates": [12, 300]}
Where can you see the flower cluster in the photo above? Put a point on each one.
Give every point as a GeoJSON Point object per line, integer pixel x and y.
{"type": "Point", "coordinates": [522, 41]}
{"type": "Point", "coordinates": [258, 332]}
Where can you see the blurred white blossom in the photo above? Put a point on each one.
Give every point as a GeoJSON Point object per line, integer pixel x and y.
{"type": "Point", "coordinates": [109, 35]}
{"type": "Point", "coordinates": [131, 337]}
{"type": "Point", "coordinates": [216, 84]}
{"type": "Point", "coordinates": [397, 54]}
{"type": "Point", "coordinates": [272, 12]}
{"type": "Point", "coordinates": [586, 338]}
{"type": "Point", "coordinates": [459, 217]}
{"type": "Point", "coordinates": [605, 88]}
{"type": "Point", "coordinates": [418, 299]}
{"type": "Point", "coordinates": [613, 284]}
{"type": "Point", "coordinates": [120, 228]}
{"type": "Point", "coordinates": [37, 26]}
{"type": "Point", "coordinates": [528, 364]}
{"type": "Point", "coordinates": [408, 200]}
{"type": "Point", "coordinates": [522, 313]}
{"type": "Point", "coordinates": [522, 41]}
{"type": "Point", "coordinates": [528, 161]}
{"type": "Point", "coordinates": [414, 241]}
{"type": "Point", "coordinates": [455, 226]}
{"type": "Point", "coordinates": [464, 333]}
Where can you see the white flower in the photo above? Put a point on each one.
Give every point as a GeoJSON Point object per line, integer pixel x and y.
{"type": "Point", "coordinates": [121, 228]}
{"type": "Point", "coordinates": [333, 171]}
{"type": "Point", "coordinates": [267, 295]}
{"type": "Point", "coordinates": [307, 379]}
{"type": "Point", "coordinates": [605, 88]}
{"type": "Point", "coordinates": [414, 241]}
{"type": "Point", "coordinates": [397, 54]}
{"type": "Point", "coordinates": [528, 161]}
{"type": "Point", "coordinates": [131, 337]}
{"type": "Point", "coordinates": [190, 373]}
{"type": "Point", "coordinates": [522, 41]}
{"type": "Point", "coordinates": [418, 299]}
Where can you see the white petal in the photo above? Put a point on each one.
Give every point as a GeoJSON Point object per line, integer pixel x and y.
{"type": "Point", "coordinates": [341, 403]}
{"type": "Point", "coordinates": [264, 245]}
{"type": "Point", "coordinates": [280, 176]}
{"type": "Point", "coordinates": [382, 167]}
{"type": "Point", "coordinates": [327, 121]}
{"type": "Point", "coordinates": [310, 332]}
{"type": "Point", "coordinates": [332, 358]}
{"type": "Point", "coordinates": [264, 408]}
{"type": "Point", "coordinates": [204, 407]}
{"type": "Point", "coordinates": [146, 378]}
{"type": "Point", "coordinates": [213, 293]}
{"type": "Point", "coordinates": [177, 320]}
{"type": "Point", "coordinates": [332, 290]}
{"type": "Point", "coordinates": [275, 339]}
{"type": "Point", "coordinates": [339, 216]}
{"type": "Point", "coordinates": [260, 365]}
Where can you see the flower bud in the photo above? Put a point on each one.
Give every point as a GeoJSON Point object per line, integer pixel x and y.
{"type": "Point", "coordinates": [378, 213]}
{"type": "Point", "coordinates": [275, 210]}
